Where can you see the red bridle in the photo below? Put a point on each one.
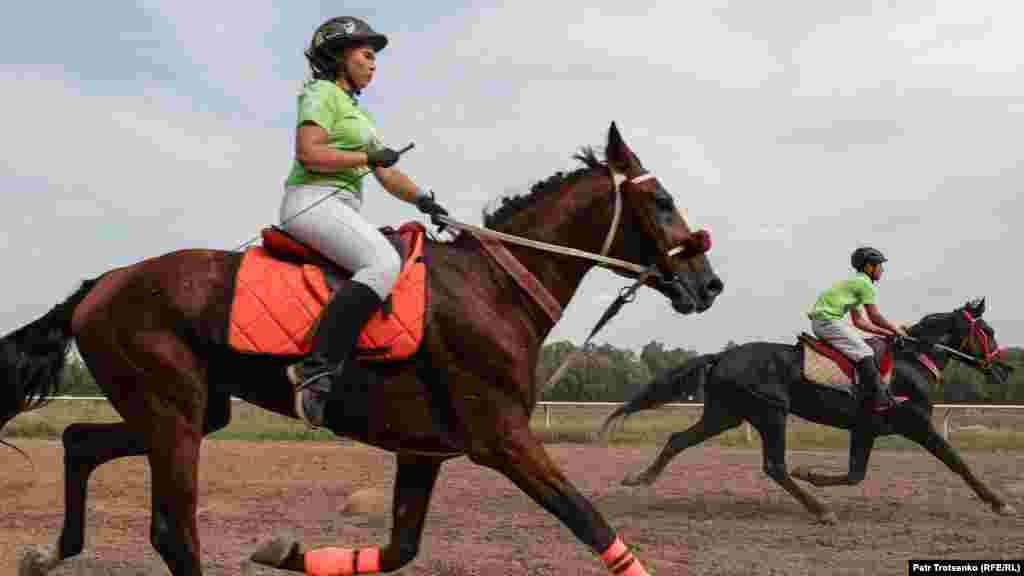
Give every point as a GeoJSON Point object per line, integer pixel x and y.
{"type": "Point", "coordinates": [988, 351]}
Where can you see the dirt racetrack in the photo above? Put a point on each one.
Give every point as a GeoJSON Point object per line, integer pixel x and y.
{"type": "Point", "coordinates": [714, 511]}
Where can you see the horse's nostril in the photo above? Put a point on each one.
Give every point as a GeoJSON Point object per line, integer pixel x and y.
{"type": "Point", "coordinates": [714, 286]}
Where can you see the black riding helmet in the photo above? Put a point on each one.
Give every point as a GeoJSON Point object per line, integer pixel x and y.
{"type": "Point", "coordinates": [866, 255]}
{"type": "Point", "coordinates": [334, 35]}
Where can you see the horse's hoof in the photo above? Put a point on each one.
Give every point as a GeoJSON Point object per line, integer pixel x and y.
{"type": "Point", "coordinates": [1005, 510]}
{"type": "Point", "coordinates": [828, 518]}
{"type": "Point", "coordinates": [36, 561]}
{"type": "Point", "coordinates": [275, 552]}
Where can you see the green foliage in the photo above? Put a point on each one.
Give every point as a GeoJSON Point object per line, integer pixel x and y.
{"type": "Point", "coordinates": [605, 373]}
{"type": "Point", "coordinates": [77, 380]}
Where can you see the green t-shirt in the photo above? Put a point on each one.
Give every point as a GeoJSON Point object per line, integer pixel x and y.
{"type": "Point", "coordinates": [349, 127]}
{"type": "Point", "coordinates": [843, 296]}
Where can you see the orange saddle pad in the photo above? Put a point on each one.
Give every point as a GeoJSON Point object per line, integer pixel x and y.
{"type": "Point", "coordinates": [823, 364]}
{"type": "Point", "coordinates": [281, 287]}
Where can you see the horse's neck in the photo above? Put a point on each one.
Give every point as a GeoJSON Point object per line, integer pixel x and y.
{"type": "Point", "coordinates": [939, 357]}
{"type": "Point", "coordinates": [577, 216]}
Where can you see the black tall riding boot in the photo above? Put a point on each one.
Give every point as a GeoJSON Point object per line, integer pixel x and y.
{"type": "Point", "coordinates": [341, 321]}
{"type": "Point", "coordinates": [876, 394]}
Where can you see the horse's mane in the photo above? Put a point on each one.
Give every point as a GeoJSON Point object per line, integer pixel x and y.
{"type": "Point", "coordinates": [513, 204]}
{"type": "Point", "coordinates": [920, 330]}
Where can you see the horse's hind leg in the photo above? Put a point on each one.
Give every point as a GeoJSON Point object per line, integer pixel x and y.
{"type": "Point", "coordinates": [414, 484]}
{"type": "Point", "coordinates": [86, 447]}
{"type": "Point", "coordinates": [861, 442]}
{"type": "Point", "coordinates": [771, 424]}
{"type": "Point", "coordinates": [713, 422]}
{"type": "Point", "coordinates": [174, 459]}
{"type": "Point", "coordinates": [920, 430]}
{"type": "Point", "coordinates": [158, 385]}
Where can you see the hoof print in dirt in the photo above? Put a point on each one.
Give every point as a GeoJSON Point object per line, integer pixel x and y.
{"type": "Point", "coordinates": [1006, 510]}
{"type": "Point", "coordinates": [35, 561]}
{"type": "Point", "coordinates": [829, 518]}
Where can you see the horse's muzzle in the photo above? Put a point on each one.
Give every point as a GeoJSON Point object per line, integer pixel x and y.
{"type": "Point", "coordinates": [691, 292]}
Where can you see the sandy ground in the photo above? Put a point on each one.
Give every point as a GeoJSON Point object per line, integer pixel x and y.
{"type": "Point", "coordinates": [713, 511]}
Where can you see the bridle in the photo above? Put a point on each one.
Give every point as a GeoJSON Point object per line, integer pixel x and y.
{"type": "Point", "coordinates": [989, 352]}
{"type": "Point", "coordinates": [602, 258]}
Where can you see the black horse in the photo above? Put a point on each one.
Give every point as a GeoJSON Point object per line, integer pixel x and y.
{"type": "Point", "coordinates": [762, 382]}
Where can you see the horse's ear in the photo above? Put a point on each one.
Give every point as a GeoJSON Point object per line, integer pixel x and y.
{"type": "Point", "coordinates": [617, 152]}
{"type": "Point", "coordinates": [975, 307]}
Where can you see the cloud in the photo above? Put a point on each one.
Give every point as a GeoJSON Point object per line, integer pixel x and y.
{"type": "Point", "coordinates": [794, 132]}
{"type": "Point", "coordinates": [841, 134]}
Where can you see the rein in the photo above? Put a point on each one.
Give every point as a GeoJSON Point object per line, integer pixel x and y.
{"type": "Point", "coordinates": [626, 295]}
{"type": "Point", "coordinates": [602, 258]}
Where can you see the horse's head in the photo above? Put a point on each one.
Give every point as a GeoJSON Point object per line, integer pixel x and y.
{"type": "Point", "coordinates": [652, 231]}
{"type": "Point", "coordinates": [978, 339]}
{"type": "Point", "coordinates": [965, 330]}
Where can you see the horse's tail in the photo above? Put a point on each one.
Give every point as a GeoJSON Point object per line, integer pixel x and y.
{"type": "Point", "coordinates": [673, 384]}
{"type": "Point", "coordinates": [32, 357]}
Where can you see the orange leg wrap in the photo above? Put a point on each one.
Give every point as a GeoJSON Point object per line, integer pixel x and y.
{"type": "Point", "coordinates": [621, 562]}
{"type": "Point", "coordinates": [333, 561]}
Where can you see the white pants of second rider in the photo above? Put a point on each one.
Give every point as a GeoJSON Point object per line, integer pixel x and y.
{"type": "Point", "coordinates": [845, 338]}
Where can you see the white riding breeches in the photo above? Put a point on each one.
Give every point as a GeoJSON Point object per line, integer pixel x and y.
{"type": "Point", "coordinates": [336, 229]}
{"type": "Point", "coordinates": [843, 337]}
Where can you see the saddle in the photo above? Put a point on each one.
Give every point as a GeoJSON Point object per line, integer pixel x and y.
{"type": "Point", "coordinates": [282, 286]}
{"type": "Point", "coordinates": [825, 365]}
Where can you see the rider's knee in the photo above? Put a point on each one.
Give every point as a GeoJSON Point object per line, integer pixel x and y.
{"type": "Point", "coordinates": [390, 265]}
{"type": "Point", "coordinates": [382, 274]}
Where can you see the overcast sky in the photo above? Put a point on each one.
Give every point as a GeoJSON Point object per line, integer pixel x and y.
{"type": "Point", "coordinates": [795, 131]}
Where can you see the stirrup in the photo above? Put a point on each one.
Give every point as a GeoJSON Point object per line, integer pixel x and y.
{"type": "Point", "coordinates": [298, 384]}
{"type": "Point", "coordinates": [298, 393]}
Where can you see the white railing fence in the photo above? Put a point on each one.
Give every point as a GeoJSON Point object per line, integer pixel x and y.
{"type": "Point", "coordinates": [949, 408]}
{"type": "Point", "coordinates": [546, 407]}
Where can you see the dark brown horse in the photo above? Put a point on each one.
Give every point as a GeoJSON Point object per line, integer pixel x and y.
{"type": "Point", "coordinates": [152, 334]}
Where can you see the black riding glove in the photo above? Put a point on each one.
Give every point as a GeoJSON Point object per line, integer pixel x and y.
{"type": "Point", "coordinates": [428, 205]}
{"type": "Point", "coordinates": [382, 158]}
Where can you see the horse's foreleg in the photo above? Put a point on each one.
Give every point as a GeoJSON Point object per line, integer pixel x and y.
{"type": "Point", "coordinates": [772, 427]}
{"type": "Point", "coordinates": [861, 442]}
{"type": "Point", "coordinates": [925, 434]}
{"type": "Point", "coordinates": [86, 447]}
{"type": "Point", "coordinates": [521, 457]}
{"type": "Point", "coordinates": [712, 423]}
{"type": "Point", "coordinates": [414, 483]}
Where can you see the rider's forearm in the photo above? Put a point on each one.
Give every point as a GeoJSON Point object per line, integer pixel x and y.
{"type": "Point", "coordinates": [888, 328]}
{"type": "Point", "coordinates": [866, 326]}
{"type": "Point", "coordinates": [327, 160]}
{"type": "Point", "coordinates": [398, 184]}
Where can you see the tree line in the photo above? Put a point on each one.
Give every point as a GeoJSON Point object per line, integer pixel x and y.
{"type": "Point", "coordinates": [605, 373]}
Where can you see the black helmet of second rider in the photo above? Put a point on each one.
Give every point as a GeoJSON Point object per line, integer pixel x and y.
{"type": "Point", "coordinates": [332, 37]}
{"type": "Point", "coordinates": [864, 256]}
